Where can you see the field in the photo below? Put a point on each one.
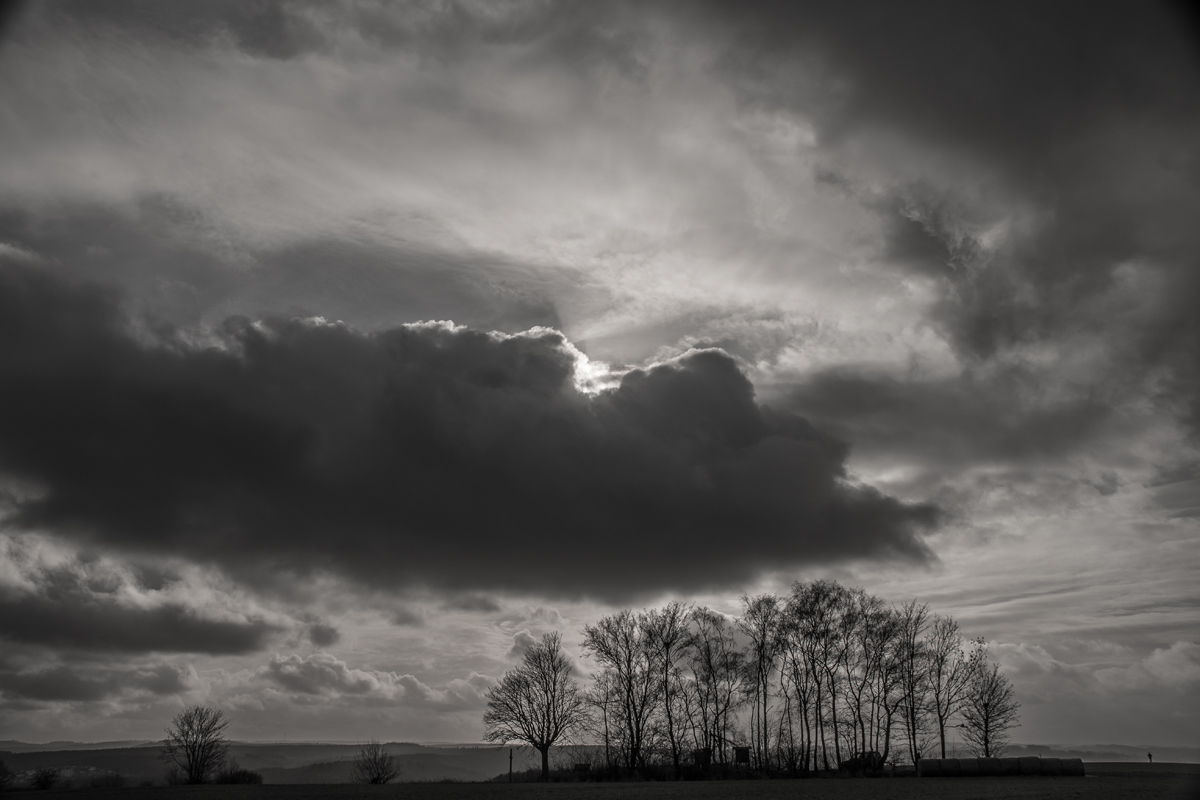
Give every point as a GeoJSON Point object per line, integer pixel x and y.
{"type": "Point", "coordinates": [1117, 781]}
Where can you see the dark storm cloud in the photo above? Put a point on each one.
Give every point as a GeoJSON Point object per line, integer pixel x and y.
{"type": "Point", "coordinates": [323, 635]}
{"type": "Point", "coordinates": [74, 684]}
{"type": "Point", "coordinates": [951, 422]}
{"type": "Point", "coordinates": [417, 455]}
{"type": "Point", "coordinates": [63, 611]}
{"type": "Point", "coordinates": [264, 28]}
{"type": "Point", "coordinates": [1090, 112]}
{"type": "Point", "coordinates": [52, 684]}
{"type": "Point", "coordinates": [1006, 79]}
{"type": "Point", "coordinates": [572, 35]}
{"type": "Point", "coordinates": [164, 256]}
{"type": "Point", "coordinates": [475, 603]}
{"type": "Point", "coordinates": [1083, 117]}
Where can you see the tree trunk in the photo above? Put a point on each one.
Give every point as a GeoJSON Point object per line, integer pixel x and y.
{"type": "Point", "coordinates": [837, 744]}
{"type": "Point", "coordinates": [545, 763]}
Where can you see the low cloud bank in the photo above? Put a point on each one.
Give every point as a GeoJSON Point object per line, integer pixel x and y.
{"type": "Point", "coordinates": [421, 455]}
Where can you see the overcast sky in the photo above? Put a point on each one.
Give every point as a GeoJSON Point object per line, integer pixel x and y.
{"type": "Point", "coordinates": [346, 346]}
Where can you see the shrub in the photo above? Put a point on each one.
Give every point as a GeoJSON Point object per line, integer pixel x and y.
{"type": "Point", "coordinates": [7, 778]}
{"type": "Point", "coordinates": [45, 778]}
{"type": "Point", "coordinates": [232, 772]}
{"type": "Point", "coordinates": [108, 780]}
{"type": "Point", "coordinates": [374, 764]}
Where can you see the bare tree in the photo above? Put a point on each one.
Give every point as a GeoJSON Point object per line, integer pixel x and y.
{"type": "Point", "coordinates": [619, 643]}
{"type": "Point", "coordinates": [605, 722]}
{"type": "Point", "coordinates": [374, 764]}
{"type": "Point", "coordinates": [538, 702]}
{"type": "Point", "coordinates": [196, 742]}
{"type": "Point", "coordinates": [667, 635]}
{"type": "Point", "coordinates": [761, 621]}
{"type": "Point", "coordinates": [949, 673]}
{"type": "Point", "coordinates": [818, 608]}
{"type": "Point", "coordinates": [914, 620]}
{"type": "Point", "coordinates": [717, 667]}
{"type": "Point", "coordinates": [989, 710]}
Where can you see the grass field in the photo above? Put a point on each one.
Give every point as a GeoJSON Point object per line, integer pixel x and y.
{"type": "Point", "coordinates": [1118, 781]}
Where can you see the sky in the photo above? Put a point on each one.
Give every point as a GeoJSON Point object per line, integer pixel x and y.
{"type": "Point", "coordinates": [347, 347]}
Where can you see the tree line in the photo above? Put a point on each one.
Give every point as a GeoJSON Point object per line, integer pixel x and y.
{"type": "Point", "coordinates": [825, 677]}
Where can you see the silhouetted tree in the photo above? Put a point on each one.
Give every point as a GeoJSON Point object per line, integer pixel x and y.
{"type": "Point", "coordinates": [716, 666]}
{"type": "Point", "coordinates": [604, 721]}
{"type": "Point", "coordinates": [762, 622]}
{"type": "Point", "coordinates": [196, 742]}
{"type": "Point", "coordinates": [621, 645]}
{"type": "Point", "coordinates": [914, 684]}
{"type": "Point", "coordinates": [374, 764]}
{"type": "Point", "coordinates": [538, 702]}
{"type": "Point", "coordinates": [949, 671]}
{"type": "Point", "coordinates": [667, 636]}
{"type": "Point", "coordinates": [6, 777]}
{"type": "Point", "coordinates": [989, 708]}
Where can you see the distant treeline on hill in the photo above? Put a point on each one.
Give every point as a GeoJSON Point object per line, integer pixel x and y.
{"type": "Point", "coordinates": [293, 763]}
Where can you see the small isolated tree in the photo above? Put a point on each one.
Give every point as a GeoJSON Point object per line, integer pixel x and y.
{"type": "Point", "coordinates": [989, 709]}
{"type": "Point", "coordinates": [196, 743]}
{"type": "Point", "coordinates": [374, 764]}
{"type": "Point", "coordinates": [538, 702]}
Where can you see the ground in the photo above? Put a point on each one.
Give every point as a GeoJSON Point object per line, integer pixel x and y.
{"type": "Point", "coordinates": [1118, 782]}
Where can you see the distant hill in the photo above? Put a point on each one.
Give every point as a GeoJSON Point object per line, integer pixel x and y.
{"type": "Point", "coordinates": [284, 763]}
{"type": "Point", "coordinates": [432, 764]}
{"type": "Point", "coordinates": [297, 763]}
{"type": "Point", "coordinates": [13, 746]}
{"type": "Point", "coordinates": [1109, 752]}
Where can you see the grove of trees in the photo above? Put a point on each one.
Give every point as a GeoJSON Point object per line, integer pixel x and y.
{"type": "Point", "coordinates": [804, 682]}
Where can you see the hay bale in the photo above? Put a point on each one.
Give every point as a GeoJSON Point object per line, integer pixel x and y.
{"type": "Point", "coordinates": [1052, 766]}
{"type": "Point", "coordinates": [1010, 766]}
{"type": "Point", "coordinates": [929, 768]}
{"type": "Point", "coordinates": [1030, 765]}
{"type": "Point", "coordinates": [989, 767]}
{"type": "Point", "coordinates": [968, 767]}
{"type": "Point", "coordinates": [951, 768]}
{"type": "Point", "coordinates": [1073, 767]}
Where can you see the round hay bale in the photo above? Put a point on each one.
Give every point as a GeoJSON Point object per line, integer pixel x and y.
{"type": "Point", "coordinates": [1052, 766]}
{"type": "Point", "coordinates": [1030, 765]}
{"type": "Point", "coordinates": [989, 767]}
{"type": "Point", "coordinates": [1073, 767]}
{"type": "Point", "coordinates": [968, 767]}
{"type": "Point", "coordinates": [929, 768]}
{"type": "Point", "coordinates": [1010, 766]}
{"type": "Point", "coordinates": [951, 768]}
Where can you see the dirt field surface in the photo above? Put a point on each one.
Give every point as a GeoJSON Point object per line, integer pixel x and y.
{"type": "Point", "coordinates": [1146, 784]}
